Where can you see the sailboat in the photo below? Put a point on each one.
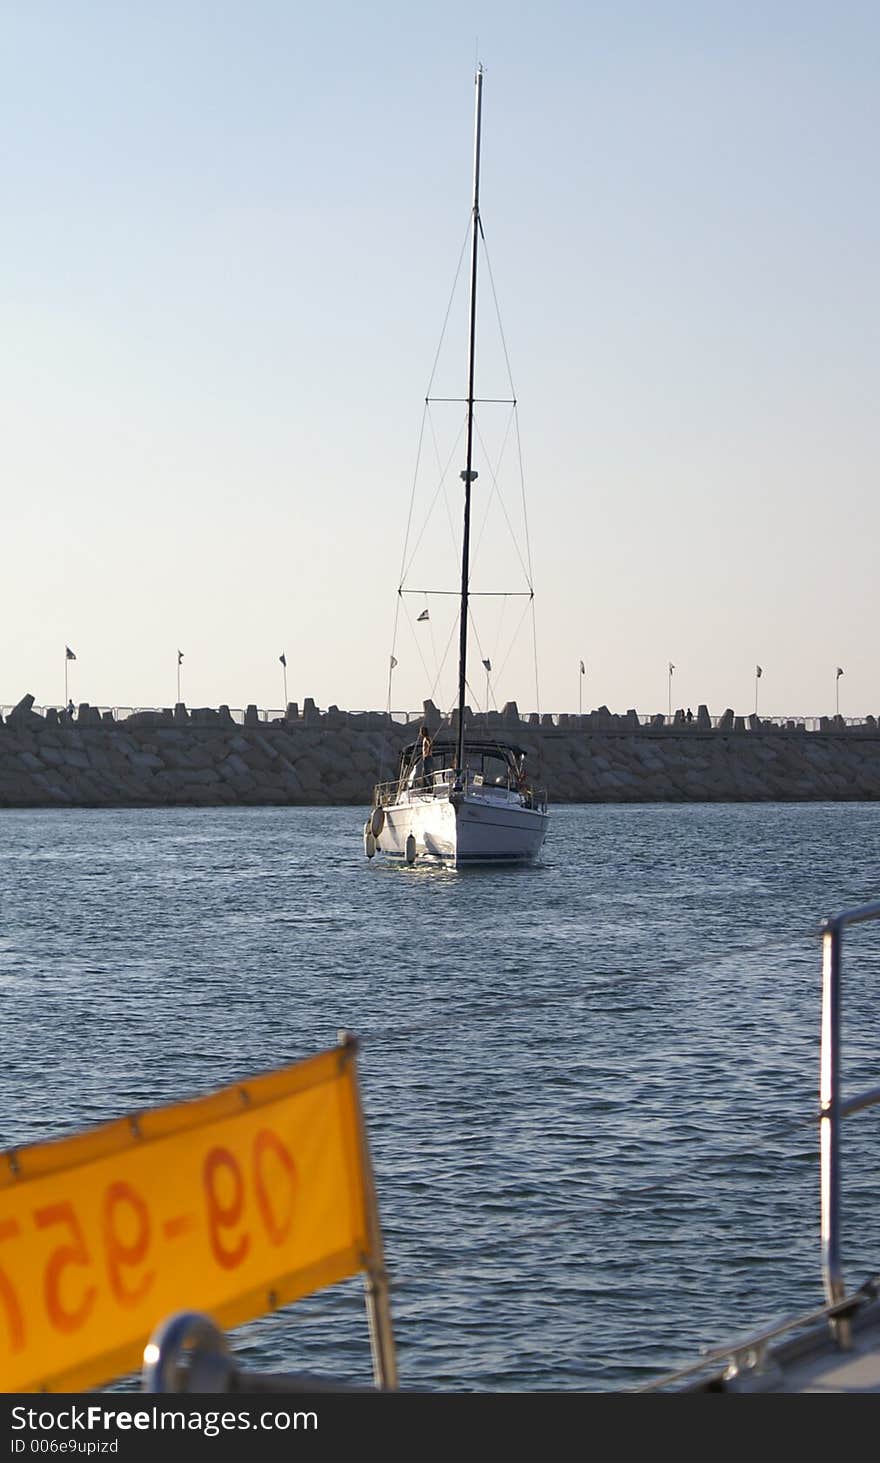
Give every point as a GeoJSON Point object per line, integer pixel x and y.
{"type": "Point", "coordinates": [460, 799]}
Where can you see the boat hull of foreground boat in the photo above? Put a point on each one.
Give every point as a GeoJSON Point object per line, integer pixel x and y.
{"type": "Point", "coordinates": [471, 830]}
{"type": "Point", "coordinates": [489, 814]}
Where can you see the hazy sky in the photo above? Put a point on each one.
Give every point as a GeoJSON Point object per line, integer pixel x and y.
{"type": "Point", "coordinates": [229, 233]}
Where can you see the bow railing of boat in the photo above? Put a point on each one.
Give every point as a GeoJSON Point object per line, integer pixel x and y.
{"type": "Point", "coordinates": [441, 782]}
{"type": "Point", "coordinates": [842, 1309]}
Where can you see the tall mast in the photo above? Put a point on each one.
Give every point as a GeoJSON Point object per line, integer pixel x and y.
{"type": "Point", "coordinates": [469, 475]}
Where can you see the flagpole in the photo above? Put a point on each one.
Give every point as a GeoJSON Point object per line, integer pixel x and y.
{"type": "Point", "coordinates": [178, 677]}
{"type": "Point", "coordinates": [756, 693]}
{"type": "Point", "coordinates": [66, 698]}
{"type": "Point", "coordinates": [580, 693]}
{"type": "Point", "coordinates": [671, 669]}
{"type": "Point", "coordinates": [284, 669]}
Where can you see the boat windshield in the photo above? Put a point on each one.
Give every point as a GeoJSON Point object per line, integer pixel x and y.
{"type": "Point", "coordinates": [493, 765]}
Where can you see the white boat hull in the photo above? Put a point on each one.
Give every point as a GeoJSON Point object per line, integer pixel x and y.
{"type": "Point", "coordinates": [474, 830]}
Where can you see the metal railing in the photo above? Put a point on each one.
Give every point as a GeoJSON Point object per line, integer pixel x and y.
{"type": "Point", "coordinates": [441, 782]}
{"type": "Point", "coordinates": [188, 1352]}
{"type": "Point", "coordinates": [564, 720]}
{"type": "Point", "coordinates": [832, 1107]}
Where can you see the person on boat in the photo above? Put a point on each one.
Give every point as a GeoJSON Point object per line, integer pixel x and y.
{"type": "Point", "coordinates": [426, 749]}
{"type": "Point", "coordinates": [522, 781]}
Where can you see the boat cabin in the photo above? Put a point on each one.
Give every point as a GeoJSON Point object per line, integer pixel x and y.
{"type": "Point", "coordinates": [488, 764]}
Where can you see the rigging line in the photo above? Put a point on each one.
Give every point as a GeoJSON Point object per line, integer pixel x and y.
{"type": "Point", "coordinates": [609, 1202]}
{"type": "Point", "coordinates": [473, 593]}
{"type": "Point", "coordinates": [440, 487]}
{"type": "Point", "coordinates": [778, 945]}
{"type": "Point", "coordinates": [501, 624]}
{"type": "Point", "coordinates": [513, 639]}
{"type": "Point", "coordinates": [416, 640]}
{"type": "Point", "coordinates": [467, 234]}
{"type": "Point", "coordinates": [500, 496]}
{"type": "Point", "coordinates": [412, 496]}
{"type": "Point", "coordinates": [535, 659]}
{"type": "Point", "coordinates": [497, 310]}
{"type": "Point", "coordinates": [476, 634]}
{"type": "Point", "coordinates": [385, 749]}
{"type": "Point", "coordinates": [493, 473]}
{"type": "Point", "coordinates": [602, 1205]}
{"type": "Point", "coordinates": [522, 488]}
{"type": "Point", "coordinates": [443, 471]}
{"type": "Point", "coordinates": [513, 389]}
{"type": "Point", "coordinates": [431, 633]}
{"type": "Point", "coordinates": [439, 461]}
{"type": "Point", "coordinates": [435, 682]}
{"type": "Point", "coordinates": [435, 686]}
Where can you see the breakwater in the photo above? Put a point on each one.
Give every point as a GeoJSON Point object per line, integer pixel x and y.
{"type": "Point", "coordinates": [202, 757]}
{"type": "Point", "coordinates": [205, 758]}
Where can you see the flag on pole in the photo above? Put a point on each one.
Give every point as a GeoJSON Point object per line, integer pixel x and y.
{"type": "Point", "coordinates": [583, 669]}
{"type": "Point", "coordinates": [423, 616]}
{"type": "Point", "coordinates": [671, 667]}
{"type": "Point", "coordinates": [488, 665]}
{"type": "Point", "coordinates": [393, 662]}
{"type": "Point", "coordinates": [283, 658]}
{"type": "Point", "coordinates": [69, 653]}
{"type": "Point", "coordinates": [758, 672]}
{"type": "Point", "coordinates": [179, 657]}
{"type": "Point", "coordinates": [839, 672]}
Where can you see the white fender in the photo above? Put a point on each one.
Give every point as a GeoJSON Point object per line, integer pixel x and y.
{"type": "Point", "coordinates": [369, 841]}
{"type": "Point", "coordinates": [410, 849]}
{"type": "Point", "coordinates": [377, 821]}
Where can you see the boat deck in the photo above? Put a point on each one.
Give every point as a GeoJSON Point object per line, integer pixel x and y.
{"type": "Point", "coordinates": [813, 1362]}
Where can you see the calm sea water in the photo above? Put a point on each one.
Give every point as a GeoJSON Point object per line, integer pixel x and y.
{"type": "Point", "coordinates": [588, 1086]}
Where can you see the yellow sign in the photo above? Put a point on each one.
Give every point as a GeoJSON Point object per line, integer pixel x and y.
{"type": "Point", "coordinates": [232, 1204]}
